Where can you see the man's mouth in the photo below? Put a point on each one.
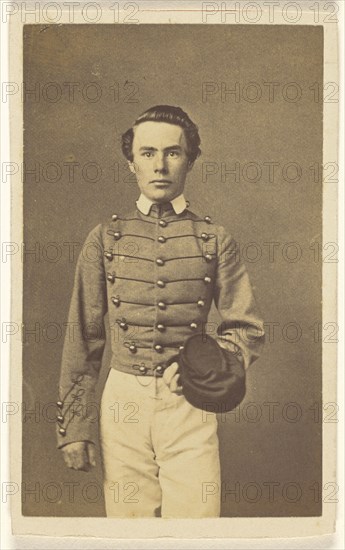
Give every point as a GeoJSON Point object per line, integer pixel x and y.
{"type": "Point", "coordinates": [160, 181]}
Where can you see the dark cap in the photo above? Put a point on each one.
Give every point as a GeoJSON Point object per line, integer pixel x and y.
{"type": "Point", "coordinates": [212, 378]}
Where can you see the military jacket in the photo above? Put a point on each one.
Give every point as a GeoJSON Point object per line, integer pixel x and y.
{"type": "Point", "coordinates": [156, 276]}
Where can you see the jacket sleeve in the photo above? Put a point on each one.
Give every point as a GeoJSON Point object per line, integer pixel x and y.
{"type": "Point", "coordinates": [83, 346]}
{"type": "Point", "coordinates": [242, 329]}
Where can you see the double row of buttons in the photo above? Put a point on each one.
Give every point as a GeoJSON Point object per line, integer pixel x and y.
{"type": "Point", "coordinates": [162, 305]}
{"type": "Point", "coordinates": [111, 277]}
{"type": "Point", "coordinates": [117, 236]}
{"type": "Point", "coordinates": [203, 236]}
{"type": "Point", "coordinates": [133, 347]}
{"type": "Point", "coordinates": [143, 370]}
{"type": "Point", "coordinates": [159, 326]}
{"type": "Point", "coordinates": [162, 284]}
{"type": "Point", "coordinates": [117, 301]}
{"type": "Point", "coordinates": [159, 261]}
{"type": "Point", "coordinates": [162, 327]}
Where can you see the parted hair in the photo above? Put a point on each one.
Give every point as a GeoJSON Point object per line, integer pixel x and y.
{"type": "Point", "coordinates": [171, 115]}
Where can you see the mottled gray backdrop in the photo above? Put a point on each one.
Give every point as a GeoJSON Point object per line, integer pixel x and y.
{"type": "Point", "coordinates": [84, 85]}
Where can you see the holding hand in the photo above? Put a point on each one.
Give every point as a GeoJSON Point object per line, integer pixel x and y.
{"type": "Point", "coordinates": [171, 376]}
{"type": "Point", "coordinates": [79, 455]}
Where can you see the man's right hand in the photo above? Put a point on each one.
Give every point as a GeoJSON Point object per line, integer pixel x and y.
{"type": "Point", "coordinates": [171, 378]}
{"type": "Point", "coordinates": [79, 455]}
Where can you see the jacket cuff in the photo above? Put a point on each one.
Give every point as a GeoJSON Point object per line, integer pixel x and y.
{"type": "Point", "coordinates": [79, 431]}
{"type": "Point", "coordinates": [77, 414]}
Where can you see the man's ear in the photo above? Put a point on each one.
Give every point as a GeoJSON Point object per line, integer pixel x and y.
{"type": "Point", "coordinates": [190, 165]}
{"type": "Point", "coordinates": [131, 166]}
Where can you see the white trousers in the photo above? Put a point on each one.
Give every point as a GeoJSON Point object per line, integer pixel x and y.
{"type": "Point", "coordinates": [160, 454]}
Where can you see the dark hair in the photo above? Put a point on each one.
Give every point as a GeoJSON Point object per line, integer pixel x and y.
{"type": "Point", "coordinates": [171, 115]}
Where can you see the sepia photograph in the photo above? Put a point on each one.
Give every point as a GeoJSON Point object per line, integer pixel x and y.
{"type": "Point", "coordinates": [174, 342]}
{"type": "Point", "coordinates": [108, 231]}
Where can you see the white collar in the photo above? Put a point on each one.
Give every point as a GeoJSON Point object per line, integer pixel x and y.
{"type": "Point", "coordinates": [144, 204]}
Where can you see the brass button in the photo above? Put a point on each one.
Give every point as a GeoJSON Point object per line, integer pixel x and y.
{"type": "Point", "coordinates": [208, 257]}
{"type": "Point", "coordinates": [142, 369]}
{"type": "Point", "coordinates": [108, 255]}
{"type": "Point", "coordinates": [62, 431]}
{"type": "Point", "coordinates": [162, 239]}
{"type": "Point", "coordinates": [180, 348]}
{"type": "Point", "coordinates": [163, 223]}
{"type": "Point", "coordinates": [159, 369]}
{"type": "Point", "coordinates": [59, 418]}
{"type": "Point", "coordinates": [116, 301]}
{"type": "Point", "coordinates": [160, 327]}
{"type": "Point", "coordinates": [158, 348]}
{"type": "Point", "coordinates": [201, 303]}
{"type": "Point", "coordinates": [60, 404]}
{"type": "Point", "coordinates": [161, 284]}
{"type": "Point", "coordinates": [111, 278]}
{"type": "Point", "coordinates": [207, 279]}
{"type": "Point", "coordinates": [159, 261]}
{"type": "Point", "coordinates": [204, 236]}
{"type": "Point", "coordinates": [114, 217]}
{"type": "Point", "coordinates": [132, 348]}
{"type": "Point", "coordinates": [117, 235]}
{"type": "Point", "coordinates": [161, 305]}
{"type": "Point", "coordinates": [123, 325]}
{"type": "Point", "coordinates": [193, 326]}
{"type": "Point", "coordinates": [208, 219]}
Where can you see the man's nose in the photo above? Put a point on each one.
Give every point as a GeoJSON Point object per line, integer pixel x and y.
{"type": "Point", "coordinates": [160, 164]}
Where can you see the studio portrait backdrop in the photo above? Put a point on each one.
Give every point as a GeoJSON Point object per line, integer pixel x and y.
{"type": "Point", "coordinates": [255, 93]}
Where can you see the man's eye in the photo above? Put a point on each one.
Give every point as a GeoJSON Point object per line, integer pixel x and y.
{"type": "Point", "coordinates": [147, 154]}
{"type": "Point", "coordinates": [173, 154]}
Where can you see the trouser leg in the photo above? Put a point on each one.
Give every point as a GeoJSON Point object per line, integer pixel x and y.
{"type": "Point", "coordinates": [157, 450]}
{"type": "Point", "coordinates": [186, 443]}
{"type": "Point", "coordinates": [131, 485]}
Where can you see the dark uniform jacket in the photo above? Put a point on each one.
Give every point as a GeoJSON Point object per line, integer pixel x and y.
{"type": "Point", "coordinates": [156, 275]}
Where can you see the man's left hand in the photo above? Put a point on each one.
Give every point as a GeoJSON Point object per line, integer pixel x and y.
{"type": "Point", "coordinates": [170, 377]}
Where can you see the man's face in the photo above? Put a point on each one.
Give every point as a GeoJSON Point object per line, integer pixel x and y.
{"type": "Point", "coordinates": [160, 160]}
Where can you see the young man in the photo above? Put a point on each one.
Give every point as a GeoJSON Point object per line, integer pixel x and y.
{"type": "Point", "coordinates": [155, 271]}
